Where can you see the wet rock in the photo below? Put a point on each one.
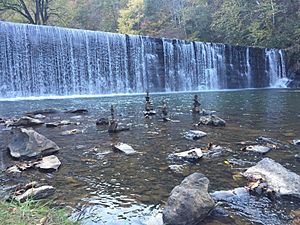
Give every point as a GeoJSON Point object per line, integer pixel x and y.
{"type": "Point", "coordinates": [102, 122]}
{"type": "Point", "coordinates": [13, 169]}
{"type": "Point", "coordinates": [296, 142]}
{"type": "Point", "coordinates": [212, 120]}
{"type": "Point", "coordinates": [2, 120]}
{"type": "Point", "coordinates": [26, 122]}
{"type": "Point", "coordinates": [194, 134]}
{"type": "Point", "coordinates": [55, 124]}
{"type": "Point", "coordinates": [189, 203]}
{"type": "Point", "coordinates": [257, 148]}
{"type": "Point", "coordinates": [125, 148]}
{"type": "Point", "coordinates": [78, 111]}
{"type": "Point", "coordinates": [71, 132]}
{"type": "Point", "coordinates": [29, 143]}
{"type": "Point", "coordinates": [44, 111]}
{"type": "Point", "coordinates": [278, 178]}
{"type": "Point", "coordinates": [236, 195]}
{"type": "Point", "coordinates": [265, 140]}
{"type": "Point", "coordinates": [297, 156]}
{"type": "Point", "coordinates": [190, 155]}
{"type": "Point", "coordinates": [61, 123]}
{"type": "Point", "coordinates": [36, 193]}
{"type": "Point", "coordinates": [49, 163]}
{"type": "Point", "coordinates": [176, 168]}
{"type": "Point", "coordinates": [37, 116]}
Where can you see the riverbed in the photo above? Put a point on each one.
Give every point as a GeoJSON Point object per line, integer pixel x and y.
{"type": "Point", "coordinates": [106, 187]}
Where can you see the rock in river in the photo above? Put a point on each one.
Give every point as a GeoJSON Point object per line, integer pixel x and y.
{"type": "Point", "coordinates": [77, 111]}
{"type": "Point", "coordinates": [212, 120]}
{"type": "Point", "coordinates": [278, 178]}
{"type": "Point", "coordinates": [194, 134]}
{"type": "Point", "coordinates": [49, 163]}
{"type": "Point", "coordinates": [125, 148]}
{"type": "Point", "coordinates": [193, 154]}
{"type": "Point", "coordinates": [36, 193]}
{"type": "Point", "coordinates": [26, 121]}
{"type": "Point", "coordinates": [189, 202]}
{"type": "Point", "coordinates": [29, 143]}
{"type": "Point", "coordinates": [257, 148]}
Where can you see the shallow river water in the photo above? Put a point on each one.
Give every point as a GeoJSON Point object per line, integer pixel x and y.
{"type": "Point", "coordinates": [106, 187]}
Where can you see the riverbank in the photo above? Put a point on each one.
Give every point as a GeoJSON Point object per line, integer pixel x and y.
{"type": "Point", "coordinates": [32, 212]}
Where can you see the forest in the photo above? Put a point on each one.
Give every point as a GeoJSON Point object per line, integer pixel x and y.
{"type": "Point", "coordinates": [263, 23]}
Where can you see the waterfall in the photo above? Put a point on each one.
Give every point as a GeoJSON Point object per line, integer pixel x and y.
{"type": "Point", "coordinates": [276, 68]}
{"type": "Point", "coordinates": [45, 61]}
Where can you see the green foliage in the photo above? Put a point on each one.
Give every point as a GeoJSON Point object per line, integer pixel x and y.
{"type": "Point", "coordinates": [32, 212]}
{"type": "Point", "coordinates": [131, 17]}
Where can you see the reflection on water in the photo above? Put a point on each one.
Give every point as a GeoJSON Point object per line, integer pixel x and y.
{"type": "Point", "coordinates": [112, 187]}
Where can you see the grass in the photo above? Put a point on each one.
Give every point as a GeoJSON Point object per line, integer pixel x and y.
{"type": "Point", "coordinates": [32, 213]}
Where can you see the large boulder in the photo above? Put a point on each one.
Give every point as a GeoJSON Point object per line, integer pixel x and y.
{"type": "Point", "coordinates": [189, 203]}
{"type": "Point", "coordinates": [28, 143]}
{"type": "Point", "coordinates": [278, 178]}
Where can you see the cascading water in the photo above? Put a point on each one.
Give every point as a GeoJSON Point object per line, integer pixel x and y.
{"type": "Point", "coordinates": [277, 69]}
{"type": "Point", "coordinates": [43, 61]}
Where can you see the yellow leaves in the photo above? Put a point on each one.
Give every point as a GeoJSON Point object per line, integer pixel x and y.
{"type": "Point", "coordinates": [131, 17]}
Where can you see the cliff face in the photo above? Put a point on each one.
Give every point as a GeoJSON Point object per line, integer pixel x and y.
{"type": "Point", "coordinates": [293, 72]}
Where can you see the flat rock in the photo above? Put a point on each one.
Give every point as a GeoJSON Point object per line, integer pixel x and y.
{"type": "Point", "coordinates": [278, 178]}
{"type": "Point", "coordinates": [29, 143]}
{"type": "Point", "coordinates": [49, 163]}
{"type": "Point", "coordinates": [36, 193]}
{"type": "Point", "coordinates": [26, 121]}
{"type": "Point", "coordinates": [193, 154]}
{"type": "Point", "coordinates": [212, 120]}
{"type": "Point", "coordinates": [13, 169]}
{"type": "Point", "coordinates": [125, 148]}
{"type": "Point", "coordinates": [194, 134]}
{"type": "Point", "coordinates": [77, 111]}
{"type": "Point", "coordinates": [37, 116]}
{"type": "Point", "coordinates": [189, 203]}
{"type": "Point", "coordinates": [61, 123]}
{"type": "Point", "coordinates": [258, 148]}
{"type": "Point", "coordinates": [54, 124]}
{"type": "Point", "coordinates": [44, 111]}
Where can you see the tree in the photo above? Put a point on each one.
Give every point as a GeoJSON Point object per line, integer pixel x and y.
{"type": "Point", "coordinates": [36, 12]}
{"type": "Point", "coordinates": [131, 18]}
